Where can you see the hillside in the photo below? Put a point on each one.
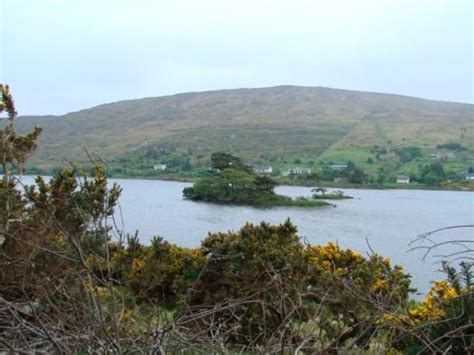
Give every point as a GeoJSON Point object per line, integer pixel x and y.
{"type": "Point", "coordinates": [281, 125]}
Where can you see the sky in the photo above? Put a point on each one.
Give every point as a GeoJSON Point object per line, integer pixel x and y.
{"type": "Point", "coordinates": [60, 56]}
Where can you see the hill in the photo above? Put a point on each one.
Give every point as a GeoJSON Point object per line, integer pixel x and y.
{"type": "Point", "coordinates": [283, 126]}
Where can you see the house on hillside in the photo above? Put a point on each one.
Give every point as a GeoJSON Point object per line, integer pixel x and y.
{"type": "Point", "coordinates": [470, 176]}
{"type": "Point", "coordinates": [443, 155]}
{"type": "Point", "coordinates": [298, 171]}
{"type": "Point", "coordinates": [159, 167]}
{"type": "Point", "coordinates": [263, 169]}
{"type": "Point", "coordinates": [402, 179]}
{"type": "Point", "coordinates": [338, 167]}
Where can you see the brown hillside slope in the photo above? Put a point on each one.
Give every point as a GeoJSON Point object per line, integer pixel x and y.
{"type": "Point", "coordinates": [361, 119]}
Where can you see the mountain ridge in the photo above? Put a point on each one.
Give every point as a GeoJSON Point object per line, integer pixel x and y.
{"type": "Point", "coordinates": [249, 89]}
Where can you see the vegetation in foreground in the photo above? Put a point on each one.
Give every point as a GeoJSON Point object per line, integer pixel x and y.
{"type": "Point", "coordinates": [71, 283]}
{"type": "Point", "coordinates": [232, 182]}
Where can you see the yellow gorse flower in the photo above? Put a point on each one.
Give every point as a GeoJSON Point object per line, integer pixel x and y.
{"type": "Point", "coordinates": [431, 309]}
{"type": "Point", "coordinates": [379, 285]}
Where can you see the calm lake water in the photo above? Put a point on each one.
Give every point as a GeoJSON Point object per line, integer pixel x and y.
{"type": "Point", "coordinates": [387, 220]}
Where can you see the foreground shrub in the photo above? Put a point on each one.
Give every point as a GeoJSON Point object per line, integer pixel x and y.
{"type": "Point", "coordinates": [262, 286]}
{"type": "Point", "coordinates": [165, 272]}
{"type": "Point", "coordinates": [443, 322]}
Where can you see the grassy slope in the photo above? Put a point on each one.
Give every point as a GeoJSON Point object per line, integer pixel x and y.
{"type": "Point", "coordinates": [271, 125]}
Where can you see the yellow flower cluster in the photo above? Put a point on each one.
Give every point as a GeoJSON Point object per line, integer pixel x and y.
{"type": "Point", "coordinates": [332, 258]}
{"type": "Point", "coordinates": [376, 272]}
{"type": "Point", "coordinates": [379, 285]}
{"type": "Point", "coordinates": [137, 266]}
{"type": "Point", "coordinates": [443, 291]}
{"type": "Point", "coordinates": [431, 309]}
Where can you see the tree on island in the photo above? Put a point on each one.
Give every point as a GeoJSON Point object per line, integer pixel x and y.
{"type": "Point", "coordinates": [232, 182]}
{"type": "Point", "coordinates": [221, 161]}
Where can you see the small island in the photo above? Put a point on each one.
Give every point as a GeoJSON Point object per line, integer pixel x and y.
{"type": "Point", "coordinates": [230, 181]}
{"type": "Point", "coordinates": [320, 193]}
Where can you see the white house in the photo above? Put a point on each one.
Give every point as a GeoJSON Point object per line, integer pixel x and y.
{"type": "Point", "coordinates": [402, 179]}
{"type": "Point", "coordinates": [159, 167]}
{"type": "Point", "coordinates": [338, 166]}
{"type": "Point", "coordinates": [263, 169]}
{"type": "Point", "coordinates": [443, 155]}
{"type": "Point", "coordinates": [297, 171]}
{"type": "Point", "coordinates": [470, 176]}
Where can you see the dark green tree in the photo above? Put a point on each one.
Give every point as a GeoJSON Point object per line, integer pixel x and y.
{"type": "Point", "coordinates": [433, 173]}
{"type": "Point", "coordinates": [407, 154]}
{"type": "Point", "coordinates": [220, 161]}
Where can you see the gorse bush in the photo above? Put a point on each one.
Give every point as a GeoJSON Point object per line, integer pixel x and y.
{"type": "Point", "coordinates": [443, 321]}
{"type": "Point", "coordinates": [165, 272]}
{"type": "Point", "coordinates": [49, 231]}
{"type": "Point", "coordinates": [248, 286]}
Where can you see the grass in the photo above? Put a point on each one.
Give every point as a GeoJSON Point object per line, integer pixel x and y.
{"type": "Point", "coordinates": [342, 155]}
{"type": "Point", "coordinates": [358, 155]}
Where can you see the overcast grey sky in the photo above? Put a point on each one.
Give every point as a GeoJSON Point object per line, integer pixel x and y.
{"type": "Point", "coordinates": [64, 55]}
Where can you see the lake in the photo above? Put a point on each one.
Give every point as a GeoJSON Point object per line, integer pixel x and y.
{"type": "Point", "coordinates": [387, 220]}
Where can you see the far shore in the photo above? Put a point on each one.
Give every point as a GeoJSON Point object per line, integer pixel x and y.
{"type": "Point", "coordinates": [392, 186]}
{"type": "Point", "coordinates": [457, 186]}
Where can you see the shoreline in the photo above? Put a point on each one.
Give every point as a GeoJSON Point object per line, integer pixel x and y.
{"type": "Point", "coordinates": [469, 188]}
